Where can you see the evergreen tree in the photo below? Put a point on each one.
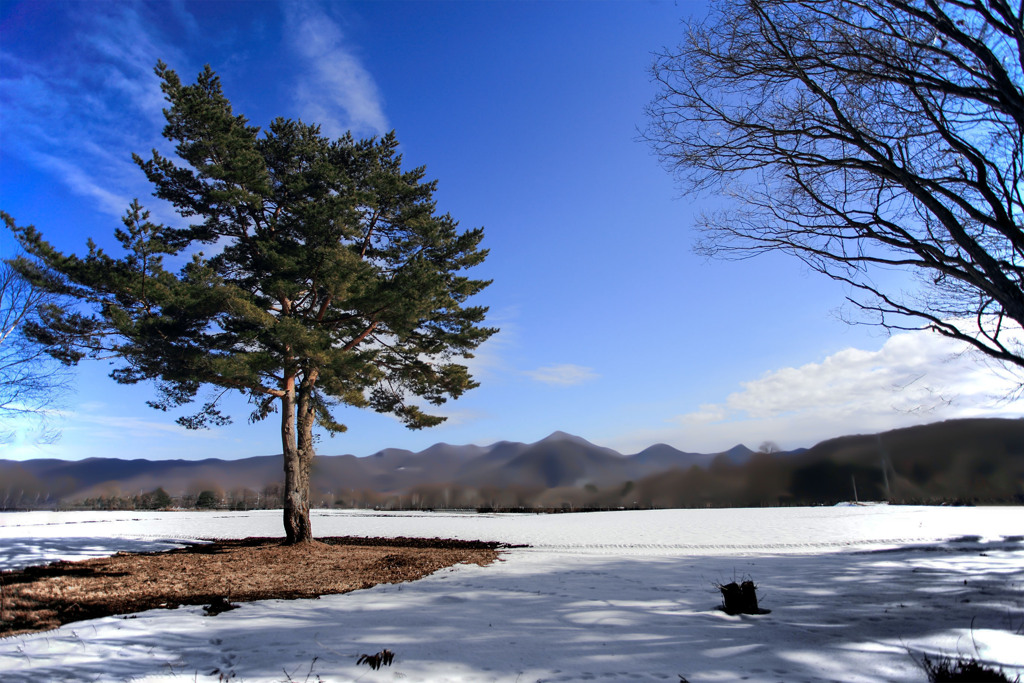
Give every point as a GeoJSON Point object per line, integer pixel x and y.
{"type": "Point", "coordinates": [206, 499]}
{"type": "Point", "coordinates": [159, 499]}
{"type": "Point", "coordinates": [332, 280]}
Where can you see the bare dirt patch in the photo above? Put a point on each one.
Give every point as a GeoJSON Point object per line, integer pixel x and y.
{"type": "Point", "coordinates": [45, 597]}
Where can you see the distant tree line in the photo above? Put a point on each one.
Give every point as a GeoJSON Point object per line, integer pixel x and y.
{"type": "Point", "coordinates": [763, 481]}
{"type": "Point", "coordinates": [935, 465]}
{"type": "Point", "coordinates": [24, 493]}
{"type": "Point", "coordinates": [212, 498]}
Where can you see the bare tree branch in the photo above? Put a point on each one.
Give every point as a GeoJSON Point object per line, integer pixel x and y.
{"type": "Point", "coordinates": [32, 383]}
{"type": "Point", "coordinates": [857, 135]}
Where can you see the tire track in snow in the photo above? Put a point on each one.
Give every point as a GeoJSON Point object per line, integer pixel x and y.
{"type": "Point", "coordinates": [718, 548]}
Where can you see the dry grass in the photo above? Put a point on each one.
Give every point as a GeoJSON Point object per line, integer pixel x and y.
{"type": "Point", "coordinates": [45, 597]}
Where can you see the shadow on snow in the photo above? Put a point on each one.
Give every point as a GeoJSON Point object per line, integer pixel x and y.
{"type": "Point", "coordinates": [853, 616]}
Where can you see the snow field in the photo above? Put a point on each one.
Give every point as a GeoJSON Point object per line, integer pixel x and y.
{"type": "Point", "coordinates": [856, 594]}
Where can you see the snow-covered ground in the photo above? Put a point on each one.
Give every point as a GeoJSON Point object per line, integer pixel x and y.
{"type": "Point", "coordinates": [855, 593]}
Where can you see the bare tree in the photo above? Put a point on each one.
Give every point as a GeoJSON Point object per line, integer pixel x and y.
{"type": "Point", "coordinates": [860, 135]}
{"type": "Point", "coordinates": [32, 383]}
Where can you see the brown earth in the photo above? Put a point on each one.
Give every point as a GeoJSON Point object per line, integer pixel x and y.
{"type": "Point", "coordinates": [218, 573]}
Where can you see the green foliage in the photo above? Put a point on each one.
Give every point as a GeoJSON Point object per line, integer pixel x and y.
{"type": "Point", "coordinates": [159, 499]}
{"type": "Point", "coordinates": [331, 280]}
{"type": "Point", "coordinates": [330, 275]}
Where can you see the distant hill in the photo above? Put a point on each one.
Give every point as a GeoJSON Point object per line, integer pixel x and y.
{"type": "Point", "coordinates": [662, 457]}
{"type": "Point", "coordinates": [974, 459]}
{"type": "Point", "coordinates": [979, 459]}
{"type": "Point", "coordinates": [958, 461]}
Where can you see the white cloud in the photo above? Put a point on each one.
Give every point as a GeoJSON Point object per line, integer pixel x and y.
{"type": "Point", "coordinates": [914, 378]}
{"type": "Point", "coordinates": [562, 375]}
{"type": "Point", "coordinates": [913, 373]}
{"type": "Point", "coordinates": [336, 82]}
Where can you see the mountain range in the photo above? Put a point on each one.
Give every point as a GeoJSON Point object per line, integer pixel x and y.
{"type": "Point", "coordinates": [559, 463]}
{"type": "Point", "coordinates": [558, 460]}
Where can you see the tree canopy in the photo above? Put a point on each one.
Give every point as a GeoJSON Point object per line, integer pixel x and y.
{"type": "Point", "coordinates": [859, 136]}
{"type": "Point", "coordinates": [331, 279]}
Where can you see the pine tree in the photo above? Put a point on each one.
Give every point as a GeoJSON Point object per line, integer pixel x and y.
{"type": "Point", "coordinates": [332, 280]}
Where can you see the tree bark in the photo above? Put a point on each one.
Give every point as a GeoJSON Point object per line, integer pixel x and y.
{"type": "Point", "coordinates": [297, 528]}
{"type": "Point", "coordinates": [305, 418]}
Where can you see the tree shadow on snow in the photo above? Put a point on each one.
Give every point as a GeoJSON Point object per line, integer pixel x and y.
{"type": "Point", "coordinates": [853, 616]}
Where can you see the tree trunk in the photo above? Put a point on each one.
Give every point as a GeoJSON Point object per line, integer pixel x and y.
{"type": "Point", "coordinates": [304, 426]}
{"type": "Point", "coordinates": [297, 528]}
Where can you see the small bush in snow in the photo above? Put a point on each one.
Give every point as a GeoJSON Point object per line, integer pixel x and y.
{"type": "Point", "coordinates": [949, 670]}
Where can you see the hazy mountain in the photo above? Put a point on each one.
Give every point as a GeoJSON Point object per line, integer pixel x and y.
{"type": "Point", "coordinates": [661, 457]}
{"type": "Point", "coordinates": [559, 460]}
{"type": "Point", "coordinates": [738, 454]}
{"type": "Point", "coordinates": [919, 463]}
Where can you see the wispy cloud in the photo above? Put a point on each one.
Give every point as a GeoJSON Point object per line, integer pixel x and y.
{"type": "Point", "coordinates": [95, 429]}
{"type": "Point", "coordinates": [564, 375]}
{"type": "Point", "coordinates": [336, 90]}
{"type": "Point", "coordinates": [77, 114]}
{"type": "Point", "coordinates": [490, 361]}
{"type": "Point", "coordinates": [83, 182]}
{"type": "Point", "coordinates": [80, 113]}
{"type": "Point", "coordinates": [119, 426]}
{"type": "Point", "coordinates": [707, 413]}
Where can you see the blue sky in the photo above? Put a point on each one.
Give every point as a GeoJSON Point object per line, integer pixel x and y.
{"type": "Point", "coordinates": [527, 114]}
